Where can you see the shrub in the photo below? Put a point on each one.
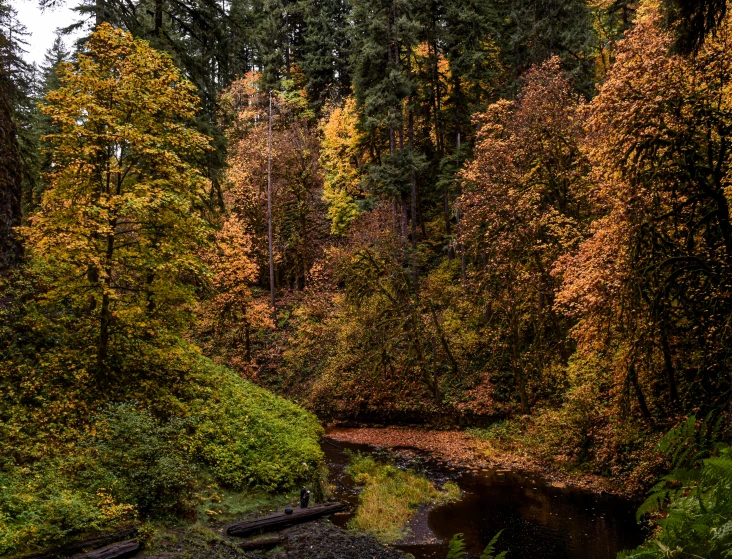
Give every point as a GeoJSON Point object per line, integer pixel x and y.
{"type": "Point", "coordinates": [142, 460]}
{"type": "Point", "coordinates": [693, 503]}
{"type": "Point", "coordinates": [249, 437]}
{"type": "Point", "coordinates": [40, 505]}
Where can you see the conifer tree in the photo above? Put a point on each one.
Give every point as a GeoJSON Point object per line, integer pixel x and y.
{"type": "Point", "coordinates": [13, 89]}
{"type": "Point", "coordinates": [324, 49]}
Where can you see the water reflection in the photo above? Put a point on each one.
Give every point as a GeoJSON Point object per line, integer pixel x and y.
{"type": "Point", "coordinates": [538, 520]}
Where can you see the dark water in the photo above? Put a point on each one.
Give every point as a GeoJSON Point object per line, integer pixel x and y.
{"type": "Point", "coordinates": [538, 520]}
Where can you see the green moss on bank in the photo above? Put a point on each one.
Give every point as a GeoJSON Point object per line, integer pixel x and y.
{"type": "Point", "coordinates": [390, 497]}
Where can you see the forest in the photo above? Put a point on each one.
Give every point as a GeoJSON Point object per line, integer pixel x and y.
{"type": "Point", "coordinates": [227, 228]}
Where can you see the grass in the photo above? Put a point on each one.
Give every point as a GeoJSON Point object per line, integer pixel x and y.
{"type": "Point", "coordinates": [390, 497]}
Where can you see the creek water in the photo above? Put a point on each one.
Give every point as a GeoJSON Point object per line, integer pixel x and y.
{"type": "Point", "coordinates": [539, 520]}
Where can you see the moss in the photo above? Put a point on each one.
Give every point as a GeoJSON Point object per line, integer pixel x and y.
{"type": "Point", "coordinates": [390, 497]}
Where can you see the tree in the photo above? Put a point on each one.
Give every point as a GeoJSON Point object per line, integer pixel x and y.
{"type": "Point", "coordinates": [233, 313]}
{"type": "Point", "coordinates": [119, 223]}
{"type": "Point", "coordinates": [525, 206]}
{"type": "Point", "coordinates": [652, 286]}
{"type": "Point", "coordinates": [13, 88]}
{"type": "Point", "coordinates": [324, 49]}
{"type": "Point", "coordinates": [297, 207]}
{"type": "Point", "coordinates": [534, 30]}
{"type": "Point", "coordinates": [692, 20]}
{"type": "Point", "coordinates": [343, 160]}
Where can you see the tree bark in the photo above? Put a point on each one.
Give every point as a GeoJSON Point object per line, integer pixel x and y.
{"type": "Point", "coordinates": [281, 520]}
{"type": "Point", "coordinates": [10, 185]}
{"type": "Point", "coordinates": [269, 213]}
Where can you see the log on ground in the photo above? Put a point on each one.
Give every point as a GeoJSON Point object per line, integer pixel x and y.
{"type": "Point", "coordinates": [95, 542]}
{"type": "Point", "coordinates": [281, 520]}
{"type": "Point", "coordinates": [114, 551]}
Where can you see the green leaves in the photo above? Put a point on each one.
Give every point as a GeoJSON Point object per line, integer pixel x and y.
{"type": "Point", "coordinates": [456, 549]}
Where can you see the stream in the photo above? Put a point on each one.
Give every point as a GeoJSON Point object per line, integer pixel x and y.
{"type": "Point", "coordinates": [538, 519]}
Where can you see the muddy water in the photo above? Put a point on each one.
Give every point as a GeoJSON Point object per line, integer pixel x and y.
{"type": "Point", "coordinates": [538, 519]}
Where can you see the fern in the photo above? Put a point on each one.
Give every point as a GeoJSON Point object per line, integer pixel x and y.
{"type": "Point", "coordinates": [490, 549]}
{"type": "Point", "coordinates": [456, 549]}
{"type": "Point", "coordinates": [695, 497]}
{"type": "Point", "coordinates": [686, 446]}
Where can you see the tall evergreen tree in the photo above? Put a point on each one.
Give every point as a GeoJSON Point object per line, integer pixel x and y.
{"type": "Point", "coordinates": [323, 52]}
{"type": "Point", "coordinates": [13, 88]}
{"type": "Point", "coordinates": [534, 30]}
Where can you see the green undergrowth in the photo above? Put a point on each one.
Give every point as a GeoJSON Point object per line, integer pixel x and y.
{"type": "Point", "coordinates": [390, 496]}
{"type": "Point", "coordinates": [226, 448]}
{"type": "Point", "coordinates": [579, 441]}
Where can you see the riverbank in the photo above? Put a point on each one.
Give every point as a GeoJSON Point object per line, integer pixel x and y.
{"type": "Point", "coordinates": [314, 540]}
{"type": "Point", "coordinates": [460, 450]}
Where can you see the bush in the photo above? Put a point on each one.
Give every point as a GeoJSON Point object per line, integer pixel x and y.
{"type": "Point", "coordinates": [127, 462]}
{"type": "Point", "coordinates": [142, 460]}
{"type": "Point", "coordinates": [249, 437]}
{"type": "Point", "coordinates": [42, 504]}
{"type": "Point", "coordinates": [693, 503]}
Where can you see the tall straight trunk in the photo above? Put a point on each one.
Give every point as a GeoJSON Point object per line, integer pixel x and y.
{"type": "Point", "coordinates": [287, 45]}
{"type": "Point", "coordinates": [413, 183]}
{"type": "Point", "coordinates": [413, 203]}
{"type": "Point", "coordinates": [105, 313]}
{"type": "Point", "coordinates": [269, 212]}
{"type": "Point", "coordinates": [668, 364]}
{"type": "Point", "coordinates": [158, 17]}
{"type": "Point", "coordinates": [460, 248]}
{"type": "Point", "coordinates": [10, 186]}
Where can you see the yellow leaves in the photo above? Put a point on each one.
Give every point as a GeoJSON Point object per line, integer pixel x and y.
{"type": "Point", "coordinates": [342, 158]}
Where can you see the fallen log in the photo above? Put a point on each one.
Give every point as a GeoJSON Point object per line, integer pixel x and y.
{"type": "Point", "coordinates": [281, 520]}
{"type": "Point", "coordinates": [264, 543]}
{"type": "Point", "coordinates": [114, 551]}
{"type": "Point", "coordinates": [94, 542]}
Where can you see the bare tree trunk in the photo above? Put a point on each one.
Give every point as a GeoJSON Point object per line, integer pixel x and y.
{"type": "Point", "coordinates": [413, 181]}
{"type": "Point", "coordinates": [269, 212]}
{"type": "Point", "coordinates": [158, 18]}
{"type": "Point", "coordinates": [460, 248]}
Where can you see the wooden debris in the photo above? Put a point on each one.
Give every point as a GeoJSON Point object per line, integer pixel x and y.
{"type": "Point", "coordinates": [73, 548]}
{"type": "Point", "coordinates": [281, 520]}
{"type": "Point", "coordinates": [264, 543]}
{"type": "Point", "coordinates": [114, 551]}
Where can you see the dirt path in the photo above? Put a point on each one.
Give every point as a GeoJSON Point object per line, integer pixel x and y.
{"type": "Point", "coordinates": [458, 449]}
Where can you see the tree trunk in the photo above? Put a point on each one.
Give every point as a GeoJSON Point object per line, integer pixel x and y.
{"type": "Point", "coordinates": [633, 375]}
{"type": "Point", "coordinates": [269, 213]}
{"type": "Point", "coordinates": [10, 186]}
{"type": "Point", "coordinates": [281, 520]}
{"type": "Point", "coordinates": [158, 18]}
{"type": "Point", "coordinates": [668, 365]}
{"type": "Point", "coordinates": [413, 182]}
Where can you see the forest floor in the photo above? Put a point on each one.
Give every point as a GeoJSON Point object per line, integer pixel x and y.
{"type": "Point", "coordinates": [460, 450]}
{"type": "Point", "coordinates": [313, 540]}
